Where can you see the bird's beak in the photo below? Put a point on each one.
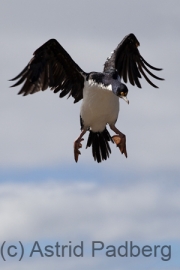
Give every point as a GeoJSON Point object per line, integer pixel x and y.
{"type": "Point", "coordinates": [125, 98]}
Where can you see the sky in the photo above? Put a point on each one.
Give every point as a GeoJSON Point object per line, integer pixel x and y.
{"type": "Point", "coordinates": [46, 199]}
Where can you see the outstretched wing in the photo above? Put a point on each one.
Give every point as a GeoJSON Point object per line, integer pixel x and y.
{"type": "Point", "coordinates": [127, 60]}
{"type": "Point", "coordinates": [52, 67]}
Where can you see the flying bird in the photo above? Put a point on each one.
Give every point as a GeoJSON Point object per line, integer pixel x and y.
{"type": "Point", "coordinates": [52, 67]}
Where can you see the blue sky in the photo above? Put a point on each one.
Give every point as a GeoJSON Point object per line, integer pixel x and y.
{"type": "Point", "coordinates": [44, 195]}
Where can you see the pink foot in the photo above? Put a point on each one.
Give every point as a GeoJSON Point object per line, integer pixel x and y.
{"type": "Point", "coordinates": [77, 145]}
{"type": "Point", "coordinates": [121, 143]}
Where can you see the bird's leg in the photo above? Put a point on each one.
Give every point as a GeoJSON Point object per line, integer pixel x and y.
{"type": "Point", "coordinates": [119, 139]}
{"type": "Point", "coordinates": [77, 145]}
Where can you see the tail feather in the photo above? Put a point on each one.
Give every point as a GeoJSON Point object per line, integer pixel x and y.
{"type": "Point", "coordinates": [100, 144]}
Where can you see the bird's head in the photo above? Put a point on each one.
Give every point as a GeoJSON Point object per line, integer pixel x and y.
{"type": "Point", "coordinates": [122, 92]}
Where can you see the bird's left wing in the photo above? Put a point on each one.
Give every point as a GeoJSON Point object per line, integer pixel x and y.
{"type": "Point", "coordinates": [128, 62]}
{"type": "Point", "coordinates": [52, 67]}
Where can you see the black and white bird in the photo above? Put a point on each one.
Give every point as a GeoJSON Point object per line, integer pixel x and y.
{"type": "Point", "coordinates": [51, 66]}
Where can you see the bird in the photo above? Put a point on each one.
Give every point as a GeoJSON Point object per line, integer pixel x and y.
{"type": "Point", "coordinates": [52, 67]}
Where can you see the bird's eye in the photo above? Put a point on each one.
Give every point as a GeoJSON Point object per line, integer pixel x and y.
{"type": "Point", "coordinates": [124, 94]}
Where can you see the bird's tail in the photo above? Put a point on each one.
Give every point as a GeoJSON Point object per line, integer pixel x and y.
{"type": "Point", "coordinates": [100, 144]}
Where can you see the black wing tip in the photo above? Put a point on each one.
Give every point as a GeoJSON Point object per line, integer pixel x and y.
{"type": "Point", "coordinates": [14, 79]}
{"type": "Point", "coordinates": [147, 64]}
{"type": "Point", "coordinates": [14, 85]}
{"type": "Point", "coordinates": [10, 80]}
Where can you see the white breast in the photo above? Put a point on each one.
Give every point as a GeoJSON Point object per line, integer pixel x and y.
{"type": "Point", "coordinates": [99, 107]}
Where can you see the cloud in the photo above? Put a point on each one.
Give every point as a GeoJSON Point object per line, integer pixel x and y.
{"type": "Point", "coordinates": [56, 211]}
{"type": "Point", "coordinates": [75, 210]}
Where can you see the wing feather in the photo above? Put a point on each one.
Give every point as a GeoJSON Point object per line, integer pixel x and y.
{"type": "Point", "coordinates": [51, 66]}
{"type": "Point", "coordinates": [150, 73]}
{"type": "Point", "coordinates": [147, 79]}
{"type": "Point", "coordinates": [130, 73]}
{"type": "Point", "coordinates": [124, 68]}
{"type": "Point", "coordinates": [129, 64]}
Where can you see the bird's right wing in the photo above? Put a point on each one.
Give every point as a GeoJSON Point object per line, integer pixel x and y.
{"type": "Point", "coordinates": [128, 62]}
{"type": "Point", "coordinates": [52, 67]}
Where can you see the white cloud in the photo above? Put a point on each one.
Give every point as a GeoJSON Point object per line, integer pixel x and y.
{"type": "Point", "coordinates": [54, 209]}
